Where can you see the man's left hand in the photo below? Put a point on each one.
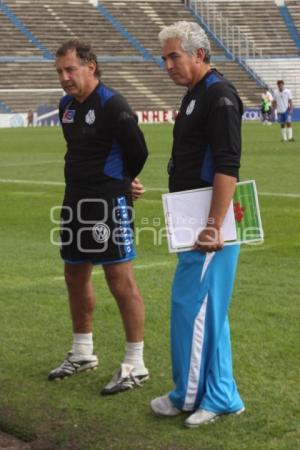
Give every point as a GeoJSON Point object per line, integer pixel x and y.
{"type": "Point", "coordinates": [137, 189]}
{"type": "Point", "coordinates": [209, 240]}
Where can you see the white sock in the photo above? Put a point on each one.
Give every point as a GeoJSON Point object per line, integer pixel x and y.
{"type": "Point", "coordinates": [289, 133]}
{"type": "Point", "coordinates": [134, 356]}
{"type": "Point", "coordinates": [82, 343]}
{"type": "Point", "coordinates": [283, 134]}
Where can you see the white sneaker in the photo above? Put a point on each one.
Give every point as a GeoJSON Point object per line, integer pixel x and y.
{"type": "Point", "coordinates": [203, 417]}
{"type": "Point", "coordinates": [73, 364]}
{"type": "Point", "coordinates": [125, 378]}
{"type": "Point", "coordinates": [162, 406]}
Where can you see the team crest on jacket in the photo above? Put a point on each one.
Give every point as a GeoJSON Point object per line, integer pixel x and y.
{"type": "Point", "coordinates": [90, 117]}
{"type": "Point", "coordinates": [190, 107]}
{"type": "Point", "coordinates": [68, 116]}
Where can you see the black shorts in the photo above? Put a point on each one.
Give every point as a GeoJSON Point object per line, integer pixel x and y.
{"type": "Point", "coordinates": [97, 230]}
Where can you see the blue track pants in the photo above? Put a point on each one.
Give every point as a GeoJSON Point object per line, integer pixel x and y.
{"type": "Point", "coordinates": [200, 334]}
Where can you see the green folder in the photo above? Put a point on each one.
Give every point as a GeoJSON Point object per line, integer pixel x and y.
{"type": "Point", "coordinates": [247, 214]}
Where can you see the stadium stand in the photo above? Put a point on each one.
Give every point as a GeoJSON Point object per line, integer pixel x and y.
{"type": "Point", "coordinates": [67, 20]}
{"type": "Point", "coordinates": [4, 109]}
{"type": "Point", "coordinates": [294, 9]}
{"type": "Point", "coordinates": [260, 21]}
{"type": "Point", "coordinates": [124, 65]}
{"type": "Point", "coordinates": [21, 102]}
{"type": "Point", "coordinates": [275, 69]}
{"type": "Point", "coordinates": [13, 42]}
{"type": "Point", "coordinates": [288, 20]}
{"type": "Point", "coordinates": [151, 86]}
{"type": "Point", "coordinates": [146, 18]}
{"type": "Point", "coordinates": [145, 77]}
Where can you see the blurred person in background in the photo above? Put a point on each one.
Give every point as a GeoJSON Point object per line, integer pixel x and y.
{"type": "Point", "coordinates": [30, 117]}
{"type": "Point", "coordinates": [266, 107]}
{"type": "Point", "coordinates": [283, 103]}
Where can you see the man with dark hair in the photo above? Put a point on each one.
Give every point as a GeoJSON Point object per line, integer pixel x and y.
{"type": "Point", "coordinates": [206, 152]}
{"type": "Point", "coordinates": [105, 152]}
{"type": "Point", "coordinates": [283, 103]}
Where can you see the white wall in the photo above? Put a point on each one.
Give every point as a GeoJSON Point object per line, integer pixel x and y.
{"type": "Point", "coordinates": [13, 120]}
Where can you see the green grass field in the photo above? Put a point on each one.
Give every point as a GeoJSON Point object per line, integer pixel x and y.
{"type": "Point", "coordinates": [35, 324]}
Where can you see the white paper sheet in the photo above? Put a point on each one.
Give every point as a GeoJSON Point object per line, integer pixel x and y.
{"type": "Point", "coordinates": [186, 215]}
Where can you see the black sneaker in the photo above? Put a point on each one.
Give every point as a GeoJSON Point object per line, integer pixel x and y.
{"type": "Point", "coordinates": [72, 365]}
{"type": "Point", "coordinates": [125, 379]}
{"type": "Point", "coordinates": [292, 140]}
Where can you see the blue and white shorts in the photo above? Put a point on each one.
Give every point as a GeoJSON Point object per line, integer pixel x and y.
{"type": "Point", "coordinates": [285, 117]}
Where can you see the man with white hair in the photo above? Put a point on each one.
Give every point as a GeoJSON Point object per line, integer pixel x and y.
{"type": "Point", "coordinates": [206, 152]}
